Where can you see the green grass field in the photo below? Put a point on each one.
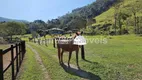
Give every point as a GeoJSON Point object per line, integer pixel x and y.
{"type": "Point", "coordinates": [30, 69]}
{"type": "Point", "coordinates": [119, 59]}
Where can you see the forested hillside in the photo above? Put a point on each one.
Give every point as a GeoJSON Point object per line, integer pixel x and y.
{"type": "Point", "coordinates": [122, 18]}
{"type": "Point", "coordinates": [81, 17]}
{"type": "Point", "coordinates": [104, 17]}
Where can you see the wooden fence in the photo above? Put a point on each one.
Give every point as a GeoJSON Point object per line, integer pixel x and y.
{"type": "Point", "coordinates": [42, 42]}
{"type": "Point", "coordinates": [53, 41]}
{"type": "Point", "coordinates": [20, 50]}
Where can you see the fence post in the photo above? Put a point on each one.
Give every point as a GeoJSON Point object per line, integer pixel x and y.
{"type": "Point", "coordinates": [17, 65]}
{"type": "Point", "coordinates": [42, 42]}
{"type": "Point", "coordinates": [22, 49]}
{"type": "Point", "coordinates": [45, 42]}
{"type": "Point", "coordinates": [1, 65]}
{"type": "Point", "coordinates": [12, 61]}
{"type": "Point", "coordinates": [19, 54]}
{"type": "Point", "coordinates": [82, 52]}
{"type": "Point", "coordinates": [54, 42]}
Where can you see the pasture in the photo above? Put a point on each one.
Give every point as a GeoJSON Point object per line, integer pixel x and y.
{"type": "Point", "coordinates": [117, 58]}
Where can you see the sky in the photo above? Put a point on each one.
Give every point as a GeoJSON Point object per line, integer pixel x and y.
{"type": "Point", "coordinates": [31, 10]}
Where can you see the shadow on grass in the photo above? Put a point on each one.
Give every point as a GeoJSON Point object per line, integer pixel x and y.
{"type": "Point", "coordinates": [80, 73]}
{"type": "Point", "coordinates": [91, 62]}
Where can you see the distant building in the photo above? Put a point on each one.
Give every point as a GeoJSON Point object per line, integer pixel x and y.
{"type": "Point", "coordinates": [56, 31]}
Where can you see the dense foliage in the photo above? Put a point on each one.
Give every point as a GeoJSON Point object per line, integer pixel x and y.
{"type": "Point", "coordinates": [12, 28]}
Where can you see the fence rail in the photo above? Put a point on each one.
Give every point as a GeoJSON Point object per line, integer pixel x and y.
{"type": "Point", "coordinates": [20, 50]}
{"type": "Point", "coordinates": [53, 41]}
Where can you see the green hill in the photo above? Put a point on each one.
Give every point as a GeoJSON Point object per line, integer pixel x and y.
{"type": "Point", "coordinates": [126, 13]}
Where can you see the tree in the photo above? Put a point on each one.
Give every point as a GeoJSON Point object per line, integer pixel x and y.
{"type": "Point", "coordinates": [2, 32]}
{"type": "Point", "coordinates": [134, 9]}
{"type": "Point", "coordinates": [36, 25]}
{"type": "Point", "coordinates": [116, 13]}
{"type": "Point", "coordinates": [15, 28]}
{"type": "Point", "coordinates": [77, 23]}
{"type": "Point", "coordinates": [119, 16]}
{"type": "Point", "coordinates": [54, 23]}
{"type": "Point", "coordinates": [34, 35]}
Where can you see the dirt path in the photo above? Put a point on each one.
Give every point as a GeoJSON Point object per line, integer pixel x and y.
{"type": "Point", "coordinates": [46, 76]}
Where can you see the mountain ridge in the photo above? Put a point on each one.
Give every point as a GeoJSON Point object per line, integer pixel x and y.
{"type": "Point", "coordinates": [3, 19]}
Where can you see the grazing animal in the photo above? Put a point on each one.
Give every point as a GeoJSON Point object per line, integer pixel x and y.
{"type": "Point", "coordinates": [67, 46]}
